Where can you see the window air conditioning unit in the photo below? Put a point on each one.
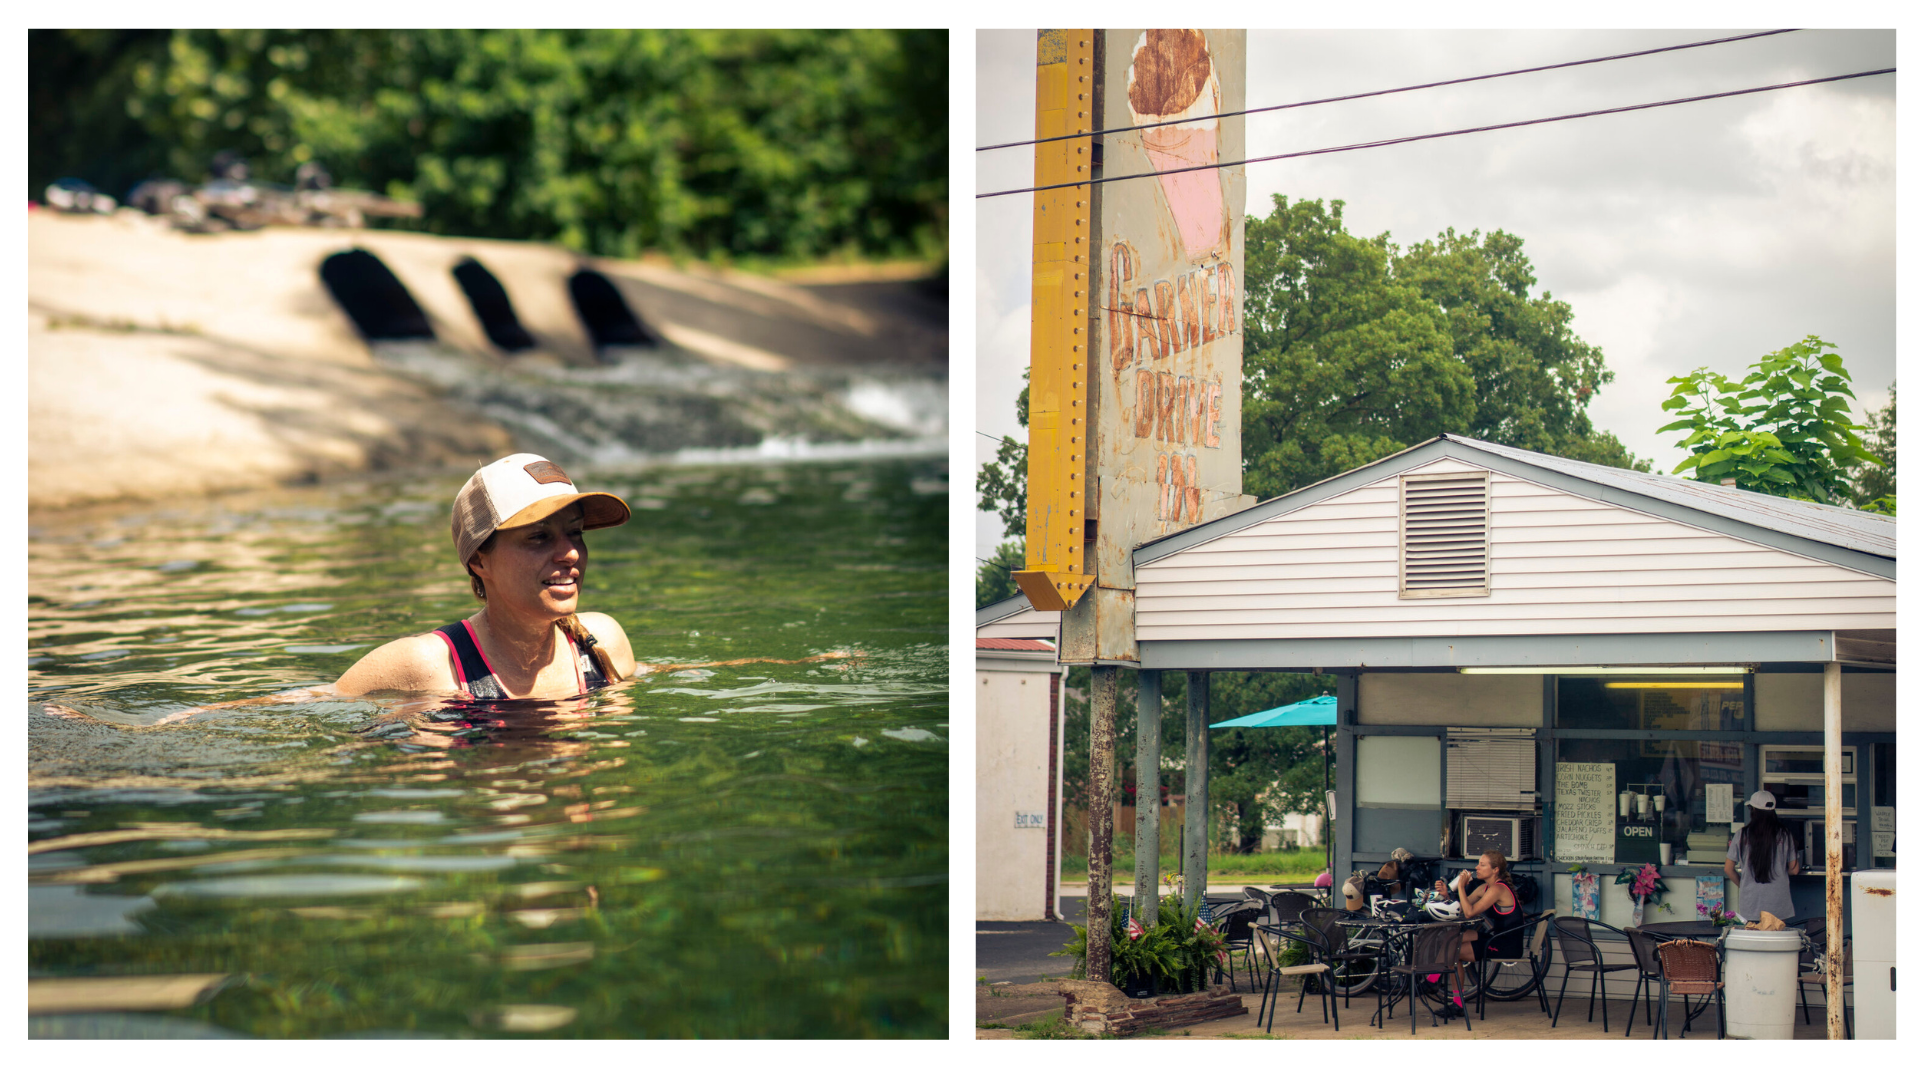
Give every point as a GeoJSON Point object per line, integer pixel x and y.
{"type": "Point", "coordinates": [1515, 837]}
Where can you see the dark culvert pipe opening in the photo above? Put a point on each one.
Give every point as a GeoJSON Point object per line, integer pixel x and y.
{"type": "Point", "coordinates": [491, 306]}
{"type": "Point", "coordinates": [608, 319]}
{"type": "Point", "coordinates": [380, 307]}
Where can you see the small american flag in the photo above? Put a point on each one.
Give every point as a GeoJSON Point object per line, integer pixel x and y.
{"type": "Point", "coordinates": [1201, 924]}
{"type": "Point", "coordinates": [1134, 929]}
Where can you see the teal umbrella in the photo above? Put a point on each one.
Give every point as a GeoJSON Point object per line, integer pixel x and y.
{"type": "Point", "coordinates": [1313, 712]}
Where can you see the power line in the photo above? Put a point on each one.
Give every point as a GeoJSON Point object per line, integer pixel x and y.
{"type": "Point", "coordinates": [1442, 134]}
{"type": "Point", "coordinates": [1395, 90]}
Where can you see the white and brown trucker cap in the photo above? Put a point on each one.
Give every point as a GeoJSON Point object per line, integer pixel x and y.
{"type": "Point", "coordinates": [521, 489]}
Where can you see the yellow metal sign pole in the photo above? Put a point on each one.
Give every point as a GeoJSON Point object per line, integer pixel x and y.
{"type": "Point", "coordinates": [1057, 389]}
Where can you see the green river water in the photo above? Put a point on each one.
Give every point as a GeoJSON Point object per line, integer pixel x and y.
{"type": "Point", "coordinates": [733, 852]}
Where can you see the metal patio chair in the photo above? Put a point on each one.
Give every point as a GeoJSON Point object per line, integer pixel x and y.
{"type": "Point", "coordinates": [1325, 922]}
{"type": "Point", "coordinates": [1236, 928]}
{"type": "Point", "coordinates": [1579, 953]}
{"type": "Point", "coordinates": [1538, 956]}
{"type": "Point", "coordinates": [1287, 906]}
{"type": "Point", "coordinates": [1646, 957]}
{"type": "Point", "coordinates": [1274, 941]}
{"type": "Point", "coordinates": [1435, 950]}
{"type": "Point", "coordinates": [1817, 978]}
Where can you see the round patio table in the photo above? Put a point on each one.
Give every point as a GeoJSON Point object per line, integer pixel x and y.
{"type": "Point", "coordinates": [1398, 934]}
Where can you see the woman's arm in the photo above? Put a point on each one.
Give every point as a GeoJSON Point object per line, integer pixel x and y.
{"type": "Point", "coordinates": [284, 697]}
{"type": "Point", "coordinates": [1481, 900]}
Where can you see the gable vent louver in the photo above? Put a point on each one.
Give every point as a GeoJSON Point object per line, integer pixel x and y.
{"type": "Point", "coordinates": [1443, 535]}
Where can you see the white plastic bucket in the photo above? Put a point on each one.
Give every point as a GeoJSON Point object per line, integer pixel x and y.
{"type": "Point", "coordinates": [1762, 977]}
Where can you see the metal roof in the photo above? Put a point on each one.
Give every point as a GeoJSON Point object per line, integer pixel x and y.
{"type": "Point", "coordinates": [994, 612]}
{"type": "Point", "coordinates": [1856, 530]}
{"type": "Point", "coordinates": [1013, 644]}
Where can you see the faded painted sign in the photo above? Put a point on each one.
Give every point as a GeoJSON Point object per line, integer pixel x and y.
{"type": "Point", "coordinates": [1166, 410]}
{"type": "Point", "coordinates": [1023, 819]}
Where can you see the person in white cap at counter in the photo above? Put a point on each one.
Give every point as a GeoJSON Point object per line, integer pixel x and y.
{"type": "Point", "coordinates": [1761, 857]}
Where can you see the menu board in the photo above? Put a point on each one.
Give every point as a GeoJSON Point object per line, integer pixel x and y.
{"type": "Point", "coordinates": [1882, 832]}
{"type": "Point", "coordinates": [1583, 812]}
{"type": "Point", "coordinates": [1719, 804]}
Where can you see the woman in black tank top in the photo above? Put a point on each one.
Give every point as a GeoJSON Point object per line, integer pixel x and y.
{"type": "Point", "coordinates": [1486, 891]}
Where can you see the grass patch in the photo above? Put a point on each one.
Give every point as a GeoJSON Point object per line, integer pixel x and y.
{"type": "Point", "coordinates": [1302, 865]}
{"type": "Point", "coordinates": [989, 1025]}
{"type": "Point", "coordinates": [1051, 1027]}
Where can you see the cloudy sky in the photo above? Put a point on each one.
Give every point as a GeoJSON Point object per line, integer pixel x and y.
{"type": "Point", "coordinates": [1709, 233]}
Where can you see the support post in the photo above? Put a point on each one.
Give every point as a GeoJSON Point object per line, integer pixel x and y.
{"type": "Point", "coordinates": [1836, 928]}
{"type": "Point", "coordinates": [1193, 862]}
{"type": "Point", "coordinates": [1345, 818]}
{"type": "Point", "coordinates": [1146, 803]}
{"type": "Point", "coordinates": [1106, 681]}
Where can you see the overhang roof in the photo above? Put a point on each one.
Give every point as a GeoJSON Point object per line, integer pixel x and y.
{"type": "Point", "coordinates": [994, 612]}
{"type": "Point", "coordinates": [1851, 538]}
{"type": "Point", "coordinates": [1007, 644]}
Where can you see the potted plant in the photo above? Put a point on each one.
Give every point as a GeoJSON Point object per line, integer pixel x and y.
{"type": "Point", "coordinates": [1143, 959]}
{"type": "Point", "coordinates": [1643, 884]}
{"type": "Point", "coordinates": [1718, 913]}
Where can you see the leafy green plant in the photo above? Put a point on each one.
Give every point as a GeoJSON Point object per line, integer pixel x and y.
{"type": "Point", "coordinates": [1178, 954]}
{"type": "Point", "coordinates": [1784, 429]}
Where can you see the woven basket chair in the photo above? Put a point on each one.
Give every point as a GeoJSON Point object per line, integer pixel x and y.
{"type": "Point", "coordinates": [1688, 968]}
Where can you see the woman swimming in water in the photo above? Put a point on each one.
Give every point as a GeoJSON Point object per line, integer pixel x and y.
{"type": "Point", "coordinates": [519, 529]}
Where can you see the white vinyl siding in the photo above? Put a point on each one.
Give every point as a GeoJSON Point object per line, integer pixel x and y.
{"type": "Point", "coordinates": [1561, 564]}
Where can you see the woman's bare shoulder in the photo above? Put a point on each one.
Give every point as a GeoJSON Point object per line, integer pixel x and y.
{"type": "Point", "coordinates": [417, 662]}
{"type": "Point", "coordinates": [606, 630]}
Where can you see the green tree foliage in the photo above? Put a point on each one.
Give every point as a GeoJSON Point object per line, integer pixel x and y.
{"type": "Point", "coordinates": [1874, 483]}
{"type": "Point", "coordinates": [1343, 364]}
{"type": "Point", "coordinates": [1785, 429]}
{"type": "Point", "coordinates": [1002, 482]}
{"type": "Point", "coordinates": [1256, 776]}
{"type": "Point", "coordinates": [1356, 349]}
{"type": "Point", "coordinates": [993, 579]}
{"type": "Point", "coordinates": [743, 144]}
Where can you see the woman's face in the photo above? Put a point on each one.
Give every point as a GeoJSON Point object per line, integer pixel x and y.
{"type": "Point", "coordinates": [535, 570]}
{"type": "Point", "coordinates": [1484, 869]}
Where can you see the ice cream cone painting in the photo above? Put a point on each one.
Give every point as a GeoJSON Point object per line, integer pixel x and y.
{"type": "Point", "coordinates": [1171, 82]}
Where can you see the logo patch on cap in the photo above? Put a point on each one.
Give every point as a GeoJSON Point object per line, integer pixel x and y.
{"type": "Point", "coordinates": [546, 472]}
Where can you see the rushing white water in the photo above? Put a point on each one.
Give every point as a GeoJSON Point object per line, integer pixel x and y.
{"type": "Point", "coordinates": [667, 405]}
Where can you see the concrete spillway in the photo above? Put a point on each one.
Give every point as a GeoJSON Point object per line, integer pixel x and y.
{"type": "Point", "coordinates": [166, 364]}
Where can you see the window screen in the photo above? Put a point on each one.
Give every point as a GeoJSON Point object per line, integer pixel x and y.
{"type": "Point", "coordinates": [1398, 771]}
{"type": "Point", "coordinates": [1489, 769]}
